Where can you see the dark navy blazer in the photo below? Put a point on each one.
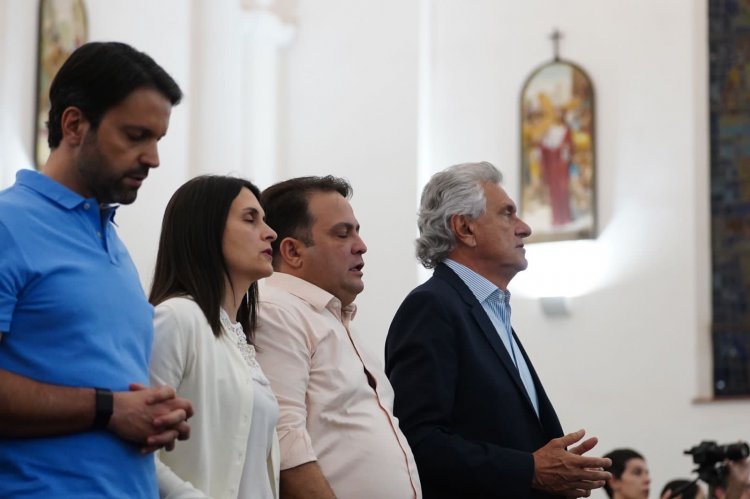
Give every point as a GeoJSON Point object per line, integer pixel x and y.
{"type": "Point", "coordinates": [459, 398]}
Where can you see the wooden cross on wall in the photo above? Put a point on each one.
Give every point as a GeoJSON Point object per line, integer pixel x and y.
{"type": "Point", "coordinates": [556, 36]}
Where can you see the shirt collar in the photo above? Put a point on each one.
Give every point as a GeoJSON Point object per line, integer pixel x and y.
{"type": "Point", "coordinates": [480, 286]}
{"type": "Point", "coordinates": [55, 191]}
{"type": "Point", "coordinates": [319, 298]}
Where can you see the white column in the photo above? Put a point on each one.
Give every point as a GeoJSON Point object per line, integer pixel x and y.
{"type": "Point", "coordinates": [265, 35]}
{"type": "Point", "coordinates": [234, 98]}
{"type": "Point", "coordinates": [18, 55]}
{"type": "Point", "coordinates": [4, 169]}
{"type": "Point", "coordinates": [215, 98]}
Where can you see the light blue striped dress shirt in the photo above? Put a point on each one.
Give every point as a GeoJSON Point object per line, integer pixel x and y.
{"type": "Point", "coordinates": [496, 304]}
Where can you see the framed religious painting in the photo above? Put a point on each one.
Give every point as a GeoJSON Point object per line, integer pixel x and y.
{"type": "Point", "coordinates": [62, 29]}
{"type": "Point", "coordinates": [558, 161]}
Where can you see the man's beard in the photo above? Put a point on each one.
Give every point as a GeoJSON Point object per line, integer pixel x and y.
{"type": "Point", "coordinates": [96, 172]}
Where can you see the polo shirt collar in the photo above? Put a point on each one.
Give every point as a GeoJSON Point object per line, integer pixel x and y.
{"type": "Point", "coordinates": [51, 189]}
{"type": "Point", "coordinates": [319, 298]}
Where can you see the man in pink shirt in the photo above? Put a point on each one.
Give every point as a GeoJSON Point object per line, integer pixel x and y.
{"type": "Point", "coordinates": [337, 432]}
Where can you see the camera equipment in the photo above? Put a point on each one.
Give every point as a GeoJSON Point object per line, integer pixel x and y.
{"type": "Point", "coordinates": [709, 456]}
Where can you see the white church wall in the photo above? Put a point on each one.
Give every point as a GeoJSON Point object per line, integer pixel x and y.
{"type": "Point", "coordinates": [351, 111]}
{"type": "Point", "coordinates": [18, 37]}
{"type": "Point", "coordinates": [634, 353]}
{"type": "Point", "coordinates": [626, 364]}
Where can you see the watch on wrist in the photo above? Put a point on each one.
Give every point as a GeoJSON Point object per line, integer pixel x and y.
{"type": "Point", "coordinates": [104, 405]}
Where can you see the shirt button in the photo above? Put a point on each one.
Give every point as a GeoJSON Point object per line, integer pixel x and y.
{"type": "Point", "coordinates": [86, 206]}
{"type": "Point", "coordinates": [98, 234]}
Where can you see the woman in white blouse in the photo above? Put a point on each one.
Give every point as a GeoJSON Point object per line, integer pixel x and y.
{"type": "Point", "coordinates": [214, 246]}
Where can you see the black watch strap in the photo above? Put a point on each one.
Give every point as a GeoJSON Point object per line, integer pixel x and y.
{"type": "Point", "coordinates": [104, 405]}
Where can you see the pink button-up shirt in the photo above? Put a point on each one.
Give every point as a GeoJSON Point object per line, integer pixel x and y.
{"type": "Point", "coordinates": [328, 410]}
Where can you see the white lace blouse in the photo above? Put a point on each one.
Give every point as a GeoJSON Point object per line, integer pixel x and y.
{"type": "Point", "coordinates": [231, 451]}
{"type": "Point", "coordinates": [265, 415]}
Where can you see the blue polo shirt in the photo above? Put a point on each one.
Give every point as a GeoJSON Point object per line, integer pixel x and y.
{"type": "Point", "coordinates": [72, 312]}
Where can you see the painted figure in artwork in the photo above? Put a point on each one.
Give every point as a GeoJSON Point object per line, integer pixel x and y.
{"type": "Point", "coordinates": [556, 151]}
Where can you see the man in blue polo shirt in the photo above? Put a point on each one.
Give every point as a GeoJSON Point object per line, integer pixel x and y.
{"type": "Point", "coordinates": [76, 419]}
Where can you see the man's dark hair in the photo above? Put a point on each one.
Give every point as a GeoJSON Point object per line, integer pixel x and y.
{"type": "Point", "coordinates": [286, 206]}
{"type": "Point", "coordinates": [190, 260]}
{"type": "Point", "coordinates": [688, 487]}
{"type": "Point", "coordinates": [98, 76]}
{"type": "Point", "coordinates": [620, 458]}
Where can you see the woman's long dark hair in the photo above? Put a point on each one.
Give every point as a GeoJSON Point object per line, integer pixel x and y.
{"type": "Point", "coordinates": [190, 261]}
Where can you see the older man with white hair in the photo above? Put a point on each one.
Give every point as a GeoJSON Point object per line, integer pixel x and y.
{"type": "Point", "coordinates": [469, 401]}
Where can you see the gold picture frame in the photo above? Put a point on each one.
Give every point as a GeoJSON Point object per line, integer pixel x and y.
{"type": "Point", "coordinates": [558, 161]}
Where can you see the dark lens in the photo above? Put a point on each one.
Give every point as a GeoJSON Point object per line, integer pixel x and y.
{"type": "Point", "coordinates": [736, 452]}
